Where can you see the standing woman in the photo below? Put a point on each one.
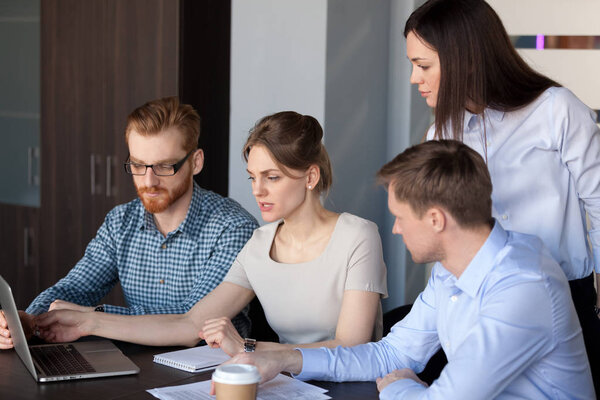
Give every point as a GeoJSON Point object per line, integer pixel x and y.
{"type": "Point", "coordinates": [541, 143]}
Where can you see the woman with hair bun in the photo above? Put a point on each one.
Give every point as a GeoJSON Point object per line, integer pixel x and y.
{"type": "Point", "coordinates": [318, 275]}
{"type": "Point", "coordinates": [540, 142]}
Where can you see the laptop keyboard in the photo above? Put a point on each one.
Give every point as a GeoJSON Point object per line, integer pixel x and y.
{"type": "Point", "coordinates": [60, 360]}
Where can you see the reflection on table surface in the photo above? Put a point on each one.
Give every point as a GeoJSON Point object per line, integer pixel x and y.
{"type": "Point", "coordinates": [17, 383]}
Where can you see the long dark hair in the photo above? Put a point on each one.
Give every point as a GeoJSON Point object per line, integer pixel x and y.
{"type": "Point", "coordinates": [479, 65]}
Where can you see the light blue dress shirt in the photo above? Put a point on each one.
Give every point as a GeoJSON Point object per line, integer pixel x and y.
{"type": "Point", "coordinates": [544, 160]}
{"type": "Point", "coordinates": [507, 325]}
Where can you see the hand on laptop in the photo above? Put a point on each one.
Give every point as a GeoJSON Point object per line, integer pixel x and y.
{"type": "Point", "coordinates": [5, 338]}
{"type": "Point", "coordinates": [65, 305]}
{"type": "Point", "coordinates": [62, 325]}
{"type": "Point", "coordinates": [220, 332]}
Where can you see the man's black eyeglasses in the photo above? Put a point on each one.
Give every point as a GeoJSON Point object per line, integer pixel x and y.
{"type": "Point", "coordinates": [159, 169]}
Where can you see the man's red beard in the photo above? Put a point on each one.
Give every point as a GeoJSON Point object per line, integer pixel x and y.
{"type": "Point", "coordinates": [165, 197]}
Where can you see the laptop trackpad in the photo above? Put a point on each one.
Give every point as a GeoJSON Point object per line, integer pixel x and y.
{"type": "Point", "coordinates": [104, 356]}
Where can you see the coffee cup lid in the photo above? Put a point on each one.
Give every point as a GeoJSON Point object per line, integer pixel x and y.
{"type": "Point", "coordinates": [236, 374]}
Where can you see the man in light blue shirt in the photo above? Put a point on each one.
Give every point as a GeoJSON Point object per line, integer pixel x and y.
{"type": "Point", "coordinates": [496, 302]}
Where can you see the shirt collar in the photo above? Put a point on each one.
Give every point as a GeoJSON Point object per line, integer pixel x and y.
{"type": "Point", "coordinates": [188, 223]}
{"type": "Point", "coordinates": [193, 215]}
{"type": "Point", "coordinates": [471, 119]}
{"type": "Point", "coordinates": [147, 220]}
{"type": "Point", "coordinates": [472, 277]}
{"type": "Point", "coordinates": [496, 115]}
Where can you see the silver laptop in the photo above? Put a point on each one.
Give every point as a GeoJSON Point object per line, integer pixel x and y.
{"type": "Point", "coordinates": [57, 362]}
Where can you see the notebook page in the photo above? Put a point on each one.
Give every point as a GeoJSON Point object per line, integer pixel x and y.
{"type": "Point", "coordinates": [194, 359]}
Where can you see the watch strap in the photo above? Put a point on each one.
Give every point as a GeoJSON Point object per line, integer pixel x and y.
{"type": "Point", "coordinates": [249, 345]}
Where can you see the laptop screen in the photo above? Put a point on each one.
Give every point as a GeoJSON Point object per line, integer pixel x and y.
{"type": "Point", "coordinates": [14, 324]}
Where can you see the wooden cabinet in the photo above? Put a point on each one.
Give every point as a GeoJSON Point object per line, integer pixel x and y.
{"type": "Point", "coordinates": [100, 59]}
{"type": "Point", "coordinates": [19, 258]}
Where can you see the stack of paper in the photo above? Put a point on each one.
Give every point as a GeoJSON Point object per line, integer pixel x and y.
{"type": "Point", "coordinates": [281, 388]}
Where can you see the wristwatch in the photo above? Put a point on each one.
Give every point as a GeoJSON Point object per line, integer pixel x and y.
{"type": "Point", "coordinates": [249, 345]}
{"type": "Point", "coordinates": [99, 308]}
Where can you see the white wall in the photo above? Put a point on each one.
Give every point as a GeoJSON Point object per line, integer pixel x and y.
{"type": "Point", "coordinates": [575, 69]}
{"type": "Point", "coordinates": [356, 104]}
{"type": "Point", "coordinates": [277, 63]}
{"type": "Point", "coordinates": [549, 17]}
{"type": "Point", "coordinates": [409, 117]}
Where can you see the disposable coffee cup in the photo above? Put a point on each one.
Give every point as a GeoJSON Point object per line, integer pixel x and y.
{"type": "Point", "coordinates": [236, 382]}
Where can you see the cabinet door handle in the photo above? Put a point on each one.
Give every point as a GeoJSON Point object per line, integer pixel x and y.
{"type": "Point", "coordinates": [33, 179]}
{"type": "Point", "coordinates": [112, 190]}
{"type": "Point", "coordinates": [108, 176]}
{"type": "Point", "coordinates": [94, 161]}
{"type": "Point", "coordinates": [30, 166]}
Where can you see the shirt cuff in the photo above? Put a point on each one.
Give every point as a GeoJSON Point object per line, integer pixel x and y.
{"type": "Point", "coordinates": [595, 241]}
{"type": "Point", "coordinates": [401, 387]}
{"type": "Point", "coordinates": [35, 310]}
{"type": "Point", "coordinates": [109, 309]}
{"type": "Point", "coordinates": [314, 364]}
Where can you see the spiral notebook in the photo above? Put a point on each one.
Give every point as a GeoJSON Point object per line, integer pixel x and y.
{"type": "Point", "coordinates": [196, 359]}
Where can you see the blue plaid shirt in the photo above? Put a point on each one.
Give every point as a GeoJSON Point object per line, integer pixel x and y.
{"type": "Point", "coordinates": [159, 275]}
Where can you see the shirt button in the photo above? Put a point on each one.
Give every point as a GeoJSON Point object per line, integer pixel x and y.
{"type": "Point", "coordinates": [489, 143]}
{"type": "Point", "coordinates": [447, 344]}
{"type": "Point", "coordinates": [164, 246]}
{"type": "Point", "coordinates": [162, 281]}
{"type": "Point", "coordinates": [505, 217]}
{"type": "Point", "coordinates": [454, 298]}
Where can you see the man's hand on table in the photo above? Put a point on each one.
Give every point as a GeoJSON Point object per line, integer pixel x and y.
{"type": "Point", "coordinates": [398, 374]}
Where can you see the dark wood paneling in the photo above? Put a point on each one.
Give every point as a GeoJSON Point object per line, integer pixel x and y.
{"type": "Point", "coordinates": [141, 64]}
{"type": "Point", "coordinates": [101, 59]}
{"type": "Point", "coordinates": [72, 88]}
{"type": "Point", "coordinates": [19, 255]}
{"type": "Point", "coordinates": [204, 82]}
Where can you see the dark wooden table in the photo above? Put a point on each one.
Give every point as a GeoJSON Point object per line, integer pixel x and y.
{"type": "Point", "coordinates": [16, 382]}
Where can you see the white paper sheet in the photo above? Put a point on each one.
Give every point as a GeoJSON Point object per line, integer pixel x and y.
{"type": "Point", "coordinates": [281, 388]}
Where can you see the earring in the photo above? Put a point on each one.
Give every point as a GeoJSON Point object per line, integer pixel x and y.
{"type": "Point", "coordinates": [309, 187]}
